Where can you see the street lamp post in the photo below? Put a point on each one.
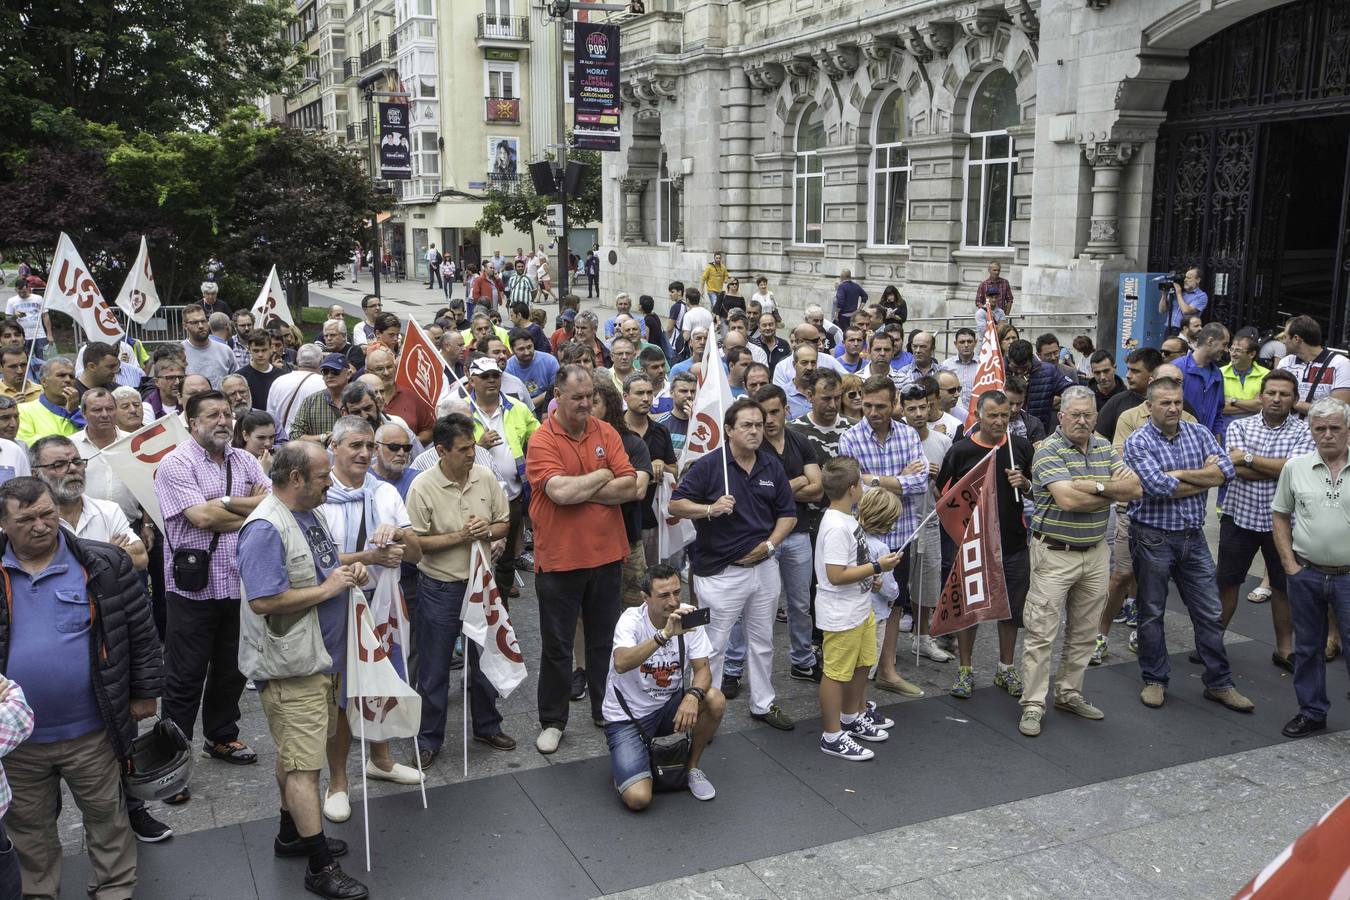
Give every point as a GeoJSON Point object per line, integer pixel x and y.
{"type": "Point", "coordinates": [367, 84]}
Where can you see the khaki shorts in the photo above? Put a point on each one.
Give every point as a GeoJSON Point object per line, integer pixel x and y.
{"type": "Point", "coordinates": [634, 567]}
{"type": "Point", "coordinates": [846, 651]}
{"type": "Point", "coordinates": [1121, 564]}
{"type": "Point", "coordinates": [302, 715]}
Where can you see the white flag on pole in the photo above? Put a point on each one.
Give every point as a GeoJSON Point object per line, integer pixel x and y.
{"type": "Point", "coordinates": [135, 459]}
{"type": "Point", "coordinates": [487, 624]}
{"type": "Point", "coordinates": [377, 639]}
{"type": "Point", "coordinates": [138, 297]}
{"type": "Point", "coordinates": [73, 291]}
{"type": "Point", "coordinates": [271, 301]}
{"type": "Point", "coordinates": [673, 534]}
{"type": "Point", "coordinates": [710, 403]}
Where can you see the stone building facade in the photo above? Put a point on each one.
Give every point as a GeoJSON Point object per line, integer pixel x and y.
{"type": "Point", "coordinates": [914, 142]}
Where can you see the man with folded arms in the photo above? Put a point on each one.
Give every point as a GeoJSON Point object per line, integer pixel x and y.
{"type": "Point", "coordinates": [1312, 532]}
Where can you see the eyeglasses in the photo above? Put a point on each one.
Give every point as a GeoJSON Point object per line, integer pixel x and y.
{"type": "Point", "coordinates": [64, 464]}
{"type": "Point", "coordinates": [397, 448]}
{"type": "Point", "coordinates": [1079, 416]}
{"type": "Point", "coordinates": [853, 395]}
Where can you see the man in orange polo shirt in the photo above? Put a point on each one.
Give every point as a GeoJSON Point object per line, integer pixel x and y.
{"type": "Point", "coordinates": [578, 474]}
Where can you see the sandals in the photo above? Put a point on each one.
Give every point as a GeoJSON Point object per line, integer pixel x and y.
{"type": "Point", "coordinates": [1259, 594]}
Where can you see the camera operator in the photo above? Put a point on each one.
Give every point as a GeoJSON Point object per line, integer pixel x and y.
{"type": "Point", "coordinates": [1190, 299]}
{"type": "Point", "coordinates": [647, 669]}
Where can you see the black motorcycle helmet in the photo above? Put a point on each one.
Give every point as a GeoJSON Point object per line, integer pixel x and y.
{"type": "Point", "coordinates": [160, 764]}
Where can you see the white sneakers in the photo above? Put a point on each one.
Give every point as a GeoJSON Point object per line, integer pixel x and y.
{"type": "Point", "coordinates": [548, 740]}
{"type": "Point", "coordinates": [929, 648]}
{"type": "Point", "coordinates": [336, 807]}
{"type": "Point", "coordinates": [700, 786]}
{"type": "Point", "coordinates": [399, 774]}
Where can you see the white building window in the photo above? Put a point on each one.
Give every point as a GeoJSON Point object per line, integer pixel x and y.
{"type": "Point", "coordinates": [667, 205]}
{"type": "Point", "coordinates": [808, 178]}
{"type": "Point", "coordinates": [889, 201]}
{"type": "Point", "coordinates": [990, 162]}
{"type": "Point", "coordinates": [501, 78]}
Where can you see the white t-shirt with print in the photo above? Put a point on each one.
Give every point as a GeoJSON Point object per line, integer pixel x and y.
{"type": "Point", "coordinates": [31, 307]}
{"type": "Point", "coordinates": [13, 461]}
{"type": "Point", "coordinates": [649, 686]}
{"type": "Point", "coordinates": [1336, 376]}
{"type": "Point", "coordinates": [840, 541]}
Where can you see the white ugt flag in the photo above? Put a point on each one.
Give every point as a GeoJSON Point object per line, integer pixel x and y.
{"type": "Point", "coordinates": [271, 301]}
{"type": "Point", "coordinates": [488, 625]}
{"type": "Point", "coordinates": [673, 534]}
{"type": "Point", "coordinates": [73, 291]}
{"type": "Point", "coordinates": [138, 297]}
{"type": "Point", "coordinates": [377, 636]}
{"type": "Point", "coordinates": [135, 459]}
{"type": "Point", "coordinates": [710, 403]}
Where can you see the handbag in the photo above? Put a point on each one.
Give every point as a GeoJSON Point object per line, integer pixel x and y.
{"type": "Point", "coordinates": [669, 759]}
{"type": "Point", "coordinates": [192, 567]}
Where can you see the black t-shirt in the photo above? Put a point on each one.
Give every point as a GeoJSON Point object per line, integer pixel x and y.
{"type": "Point", "coordinates": [1111, 411]}
{"type": "Point", "coordinates": [636, 448]}
{"type": "Point", "coordinates": [260, 383]}
{"type": "Point", "coordinates": [797, 453]}
{"type": "Point", "coordinates": [964, 455]}
{"type": "Point", "coordinates": [659, 446]}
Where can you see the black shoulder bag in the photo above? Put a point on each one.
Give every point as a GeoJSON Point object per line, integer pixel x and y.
{"type": "Point", "coordinates": [192, 567]}
{"type": "Point", "coordinates": [668, 760]}
{"type": "Point", "coordinates": [1325, 357]}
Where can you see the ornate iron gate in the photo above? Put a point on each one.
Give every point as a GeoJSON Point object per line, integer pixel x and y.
{"type": "Point", "coordinates": [1223, 165]}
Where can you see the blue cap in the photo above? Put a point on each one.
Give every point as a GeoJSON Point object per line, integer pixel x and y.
{"type": "Point", "coordinates": [335, 361]}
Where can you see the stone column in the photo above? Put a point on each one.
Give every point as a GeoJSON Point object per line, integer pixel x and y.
{"type": "Point", "coordinates": [1108, 160]}
{"type": "Point", "coordinates": [935, 195]}
{"type": "Point", "coordinates": [633, 189]}
{"type": "Point", "coordinates": [734, 196]}
{"type": "Point", "coordinates": [677, 198]}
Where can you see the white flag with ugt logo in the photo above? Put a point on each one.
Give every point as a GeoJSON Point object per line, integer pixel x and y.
{"type": "Point", "coordinates": [710, 403]}
{"type": "Point", "coordinates": [673, 533]}
{"type": "Point", "coordinates": [135, 459]}
{"type": "Point", "coordinates": [487, 624]}
{"type": "Point", "coordinates": [73, 291]}
{"type": "Point", "coordinates": [138, 297]}
{"type": "Point", "coordinates": [271, 302]}
{"type": "Point", "coordinates": [377, 638]}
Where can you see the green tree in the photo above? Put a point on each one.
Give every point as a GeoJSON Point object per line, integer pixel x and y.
{"type": "Point", "coordinates": [520, 206]}
{"type": "Point", "coordinates": [141, 64]}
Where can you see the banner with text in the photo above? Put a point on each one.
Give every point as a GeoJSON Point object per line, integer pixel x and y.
{"type": "Point", "coordinates": [1138, 321]}
{"type": "Point", "coordinates": [595, 87]}
{"type": "Point", "coordinates": [395, 149]}
{"type": "Point", "coordinates": [135, 459]}
{"type": "Point", "coordinates": [138, 297]}
{"type": "Point", "coordinates": [976, 590]}
{"type": "Point", "coordinates": [73, 291]}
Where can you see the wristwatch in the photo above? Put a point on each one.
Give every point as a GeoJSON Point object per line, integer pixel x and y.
{"type": "Point", "coordinates": [875, 482]}
{"type": "Point", "coordinates": [225, 501]}
{"type": "Point", "coordinates": [1248, 458]}
{"type": "Point", "coordinates": [769, 544]}
{"type": "Point", "coordinates": [1099, 487]}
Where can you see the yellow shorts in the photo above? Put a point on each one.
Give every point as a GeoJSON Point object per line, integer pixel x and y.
{"type": "Point", "coordinates": [849, 650]}
{"type": "Point", "coordinates": [302, 714]}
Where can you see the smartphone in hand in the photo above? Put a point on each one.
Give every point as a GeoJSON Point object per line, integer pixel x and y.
{"type": "Point", "coordinates": [696, 618]}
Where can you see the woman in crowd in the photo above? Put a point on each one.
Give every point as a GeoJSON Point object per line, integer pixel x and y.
{"type": "Point", "coordinates": [256, 432]}
{"type": "Point", "coordinates": [850, 398]}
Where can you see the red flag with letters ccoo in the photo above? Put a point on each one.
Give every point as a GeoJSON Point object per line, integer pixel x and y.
{"type": "Point", "coordinates": [421, 371]}
{"type": "Point", "coordinates": [975, 591]}
{"type": "Point", "coordinates": [990, 374]}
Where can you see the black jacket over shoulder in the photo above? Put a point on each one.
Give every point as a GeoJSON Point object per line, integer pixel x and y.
{"type": "Point", "coordinates": [124, 647]}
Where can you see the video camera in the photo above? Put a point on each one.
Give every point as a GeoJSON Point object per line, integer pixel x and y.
{"type": "Point", "coordinates": [1171, 278]}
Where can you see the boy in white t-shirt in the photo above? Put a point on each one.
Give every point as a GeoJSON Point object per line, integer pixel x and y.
{"type": "Point", "coordinates": [844, 577]}
{"type": "Point", "coordinates": [645, 670]}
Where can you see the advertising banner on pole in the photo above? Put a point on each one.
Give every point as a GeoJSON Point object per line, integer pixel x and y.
{"type": "Point", "coordinates": [595, 87]}
{"type": "Point", "coordinates": [395, 149]}
{"type": "Point", "coordinates": [1138, 322]}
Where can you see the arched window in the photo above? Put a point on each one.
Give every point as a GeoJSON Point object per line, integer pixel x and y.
{"type": "Point", "coordinates": [890, 174]}
{"type": "Point", "coordinates": [667, 204]}
{"type": "Point", "coordinates": [808, 178]}
{"type": "Point", "coordinates": [990, 163]}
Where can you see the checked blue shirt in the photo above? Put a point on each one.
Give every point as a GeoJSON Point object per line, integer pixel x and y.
{"type": "Point", "coordinates": [1152, 455]}
{"type": "Point", "coordinates": [901, 448]}
{"type": "Point", "coordinates": [1249, 502]}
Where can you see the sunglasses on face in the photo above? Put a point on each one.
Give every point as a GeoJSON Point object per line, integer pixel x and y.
{"type": "Point", "coordinates": [397, 448]}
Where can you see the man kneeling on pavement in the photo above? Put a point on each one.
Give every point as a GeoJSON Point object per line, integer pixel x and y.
{"type": "Point", "coordinates": [646, 696]}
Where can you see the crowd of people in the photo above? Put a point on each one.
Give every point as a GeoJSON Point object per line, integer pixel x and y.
{"type": "Point", "coordinates": [310, 473]}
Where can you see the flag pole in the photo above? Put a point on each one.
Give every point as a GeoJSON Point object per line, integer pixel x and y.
{"type": "Point", "coordinates": [361, 718]}
{"type": "Point", "coordinates": [1012, 464]}
{"type": "Point", "coordinates": [466, 673]}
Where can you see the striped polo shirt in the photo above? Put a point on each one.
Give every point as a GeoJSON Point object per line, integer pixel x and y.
{"type": "Point", "coordinates": [1057, 459]}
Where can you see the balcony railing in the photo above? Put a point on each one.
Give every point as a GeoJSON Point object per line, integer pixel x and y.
{"type": "Point", "coordinates": [503, 28]}
{"type": "Point", "coordinates": [356, 131]}
{"type": "Point", "coordinates": [502, 109]}
{"type": "Point", "coordinates": [506, 183]}
{"type": "Point", "coordinates": [351, 67]}
{"type": "Point", "coordinates": [372, 55]}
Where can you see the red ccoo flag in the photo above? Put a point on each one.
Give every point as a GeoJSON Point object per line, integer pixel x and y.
{"type": "Point", "coordinates": [975, 591]}
{"type": "Point", "coordinates": [989, 376]}
{"type": "Point", "coordinates": [421, 371]}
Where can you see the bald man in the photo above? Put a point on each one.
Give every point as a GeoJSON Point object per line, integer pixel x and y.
{"type": "Point", "coordinates": [786, 371]}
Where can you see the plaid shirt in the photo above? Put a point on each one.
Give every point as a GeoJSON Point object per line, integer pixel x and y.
{"type": "Point", "coordinates": [901, 448]}
{"type": "Point", "coordinates": [317, 414]}
{"type": "Point", "coordinates": [1002, 300]}
{"type": "Point", "coordinates": [1249, 502]}
{"type": "Point", "coordinates": [16, 724]}
{"type": "Point", "coordinates": [1152, 456]}
{"type": "Point", "coordinates": [188, 477]}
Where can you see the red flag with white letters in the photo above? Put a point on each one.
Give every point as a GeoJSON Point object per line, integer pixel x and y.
{"type": "Point", "coordinates": [990, 374]}
{"type": "Point", "coordinates": [976, 590]}
{"type": "Point", "coordinates": [421, 371]}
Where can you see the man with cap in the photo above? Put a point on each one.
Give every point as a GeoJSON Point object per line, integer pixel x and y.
{"type": "Point", "coordinates": [566, 326]}
{"type": "Point", "coordinates": [502, 425]}
{"type": "Point", "coordinates": [319, 412]}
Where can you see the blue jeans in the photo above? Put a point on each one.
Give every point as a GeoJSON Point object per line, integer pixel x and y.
{"type": "Point", "coordinates": [629, 759]}
{"type": "Point", "coordinates": [1310, 595]}
{"type": "Point", "coordinates": [437, 624]}
{"type": "Point", "coordinates": [794, 567]}
{"type": "Point", "coordinates": [1182, 556]}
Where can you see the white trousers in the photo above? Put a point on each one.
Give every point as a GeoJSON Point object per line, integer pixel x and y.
{"type": "Point", "coordinates": [750, 593]}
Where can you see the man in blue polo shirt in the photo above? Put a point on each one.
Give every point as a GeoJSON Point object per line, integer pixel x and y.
{"type": "Point", "coordinates": [536, 370]}
{"type": "Point", "coordinates": [1202, 379]}
{"type": "Point", "coordinates": [741, 515]}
